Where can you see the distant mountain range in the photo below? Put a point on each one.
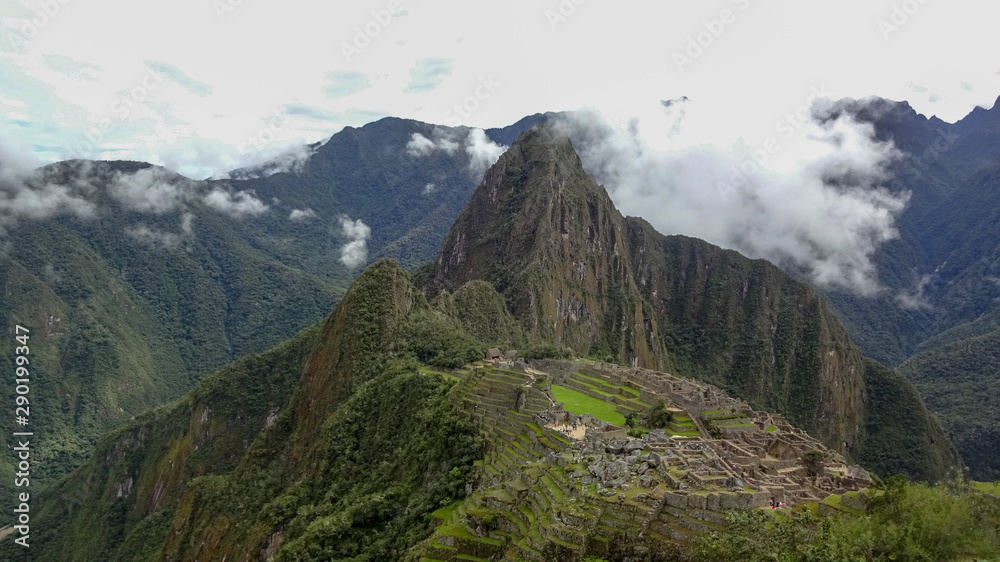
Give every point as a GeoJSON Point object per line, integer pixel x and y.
{"type": "Point", "coordinates": [136, 303]}
{"type": "Point", "coordinates": [165, 279]}
{"type": "Point", "coordinates": [948, 258]}
{"type": "Point", "coordinates": [342, 440]}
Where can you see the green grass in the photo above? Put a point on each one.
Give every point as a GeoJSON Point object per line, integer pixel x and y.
{"type": "Point", "coordinates": [580, 403]}
{"type": "Point", "coordinates": [445, 512]}
{"type": "Point", "coordinates": [988, 487]}
{"type": "Point", "coordinates": [834, 501]}
{"type": "Point", "coordinates": [683, 433]}
{"type": "Point", "coordinates": [595, 382]}
{"type": "Point", "coordinates": [458, 530]}
{"type": "Point", "coordinates": [771, 428]}
{"type": "Point", "coordinates": [430, 371]}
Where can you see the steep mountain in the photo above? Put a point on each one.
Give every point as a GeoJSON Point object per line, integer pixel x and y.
{"type": "Point", "coordinates": [575, 272]}
{"type": "Point", "coordinates": [358, 435]}
{"type": "Point", "coordinates": [166, 279]}
{"type": "Point", "coordinates": [128, 309]}
{"type": "Point", "coordinates": [553, 244]}
{"type": "Point", "coordinates": [329, 441]}
{"type": "Point", "coordinates": [938, 311]}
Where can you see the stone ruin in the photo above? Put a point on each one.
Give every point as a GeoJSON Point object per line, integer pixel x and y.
{"type": "Point", "coordinates": [540, 485]}
{"type": "Point", "coordinates": [759, 454]}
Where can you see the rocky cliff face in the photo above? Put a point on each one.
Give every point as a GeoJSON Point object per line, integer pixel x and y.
{"type": "Point", "coordinates": [575, 272]}
{"type": "Point", "coordinates": [550, 240]}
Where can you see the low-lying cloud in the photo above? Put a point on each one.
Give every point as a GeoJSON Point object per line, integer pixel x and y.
{"type": "Point", "coordinates": [152, 238]}
{"type": "Point", "coordinates": [25, 194]}
{"type": "Point", "coordinates": [292, 160]}
{"type": "Point", "coordinates": [150, 190]}
{"type": "Point", "coordinates": [302, 214]}
{"type": "Point", "coordinates": [420, 145]}
{"type": "Point", "coordinates": [355, 252]}
{"type": "Point", "coordinates": [812, 203]}
{"type": "Point", "coordinates": [482, 151]}
{"type": "Point", "coordinates": [237, 205]}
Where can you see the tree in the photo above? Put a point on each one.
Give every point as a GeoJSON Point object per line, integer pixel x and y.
{"type": "Point", "coordinates": [630, 420]}
{"type": "Point", "coordinates": [659, 416]}
{"type": "Point", "coordinates": [813, 461]}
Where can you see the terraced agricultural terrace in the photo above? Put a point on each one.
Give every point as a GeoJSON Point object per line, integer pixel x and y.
{"type": "Point", "coordinates": [541, 494]}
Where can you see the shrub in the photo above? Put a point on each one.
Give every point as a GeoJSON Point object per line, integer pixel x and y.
{"type": "Point", "coordinates": [659, 417]}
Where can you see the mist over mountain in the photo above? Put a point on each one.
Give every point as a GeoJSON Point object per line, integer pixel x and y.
{"type": "Point", "coordinates": [573, 270]}
{"type": "Point", "coordinates": [139, 281]}
{"type": "Point", "coordinates": [359, 435]}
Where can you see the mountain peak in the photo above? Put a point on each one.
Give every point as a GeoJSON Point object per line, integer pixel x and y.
{"type": "Point", "coordinates": [549, 238]}
{"type": "Point", "coordinates": [574, 272]}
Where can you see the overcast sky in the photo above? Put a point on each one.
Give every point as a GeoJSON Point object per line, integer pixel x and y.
{"type": "Point", "coordinates": [188, 83]}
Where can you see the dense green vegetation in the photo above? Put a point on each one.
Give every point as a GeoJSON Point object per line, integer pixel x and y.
{"type": "Point", "coordinates": [958, 374]}
{"type": "Point", "coordinates": [336, 439]}
{"type": "Point", "coordinates": [903, 521]}
{"type": "Point", "coordinates": [119, 326]}
{"type": "Point", "coordinates": [483, 314]}
{"type": "Point", "coordinates": [889, 445]}
{"type": "Point", "coordinates": [659, 417]}
{"type": "Point", "coordinates": [126, 323]}
{"type": "Point", "coordinates": [939, 313]}
{"type": "Point", "coordinates": [951, 521]}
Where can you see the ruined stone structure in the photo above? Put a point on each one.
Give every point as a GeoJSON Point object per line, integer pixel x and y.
{"type": "Point", "coordinates": [539, 487]}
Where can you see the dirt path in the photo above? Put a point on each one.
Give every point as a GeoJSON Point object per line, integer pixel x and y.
{"type": "Point", "coordinates": [567, 430]}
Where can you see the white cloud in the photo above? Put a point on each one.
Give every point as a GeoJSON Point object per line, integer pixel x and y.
{"type": "Point", "coordinates": [24, 194]}
{"type": "Point", "coordinates": [917, 298]}
{"type": "Point", "coordinates": [150, 190]}
{"type": "Point", "coordinates": [186, 221]}
{"type": "Point", "coordinates": [153, 238]}
{"type": "Point", "coordinates": [429, 188]}
{"type": "Point", "coordinates": [302, 214]}
{"type": "Point", "coordinates": [241, 204]}
{"type": "Point", "coordinates": [482, 151]}
{"type": "Point", "coordinates": [292, 160]}
{"type": "Point", "coordinates": [632, 60]}
{"type": "Point", "coordinates": [420, 145]}
{"type": "Point", "coordinates": [355, 252]}
{"type": "Point", "coordinates": [813, 204]}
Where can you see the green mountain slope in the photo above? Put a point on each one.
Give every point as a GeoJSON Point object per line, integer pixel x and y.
{"type": "Point", "coordinates": [958, 374]}
{"type": "Point", "coordinates": [122, 324]}
{"type": "Point", "coordinates": [947, 261]}
{"type": "Point", "coordinates": [341, 443]}
{"type": "Point", "coordinates": [135, 304]}
{"type": "Point", "coordinates": [326, 443]}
